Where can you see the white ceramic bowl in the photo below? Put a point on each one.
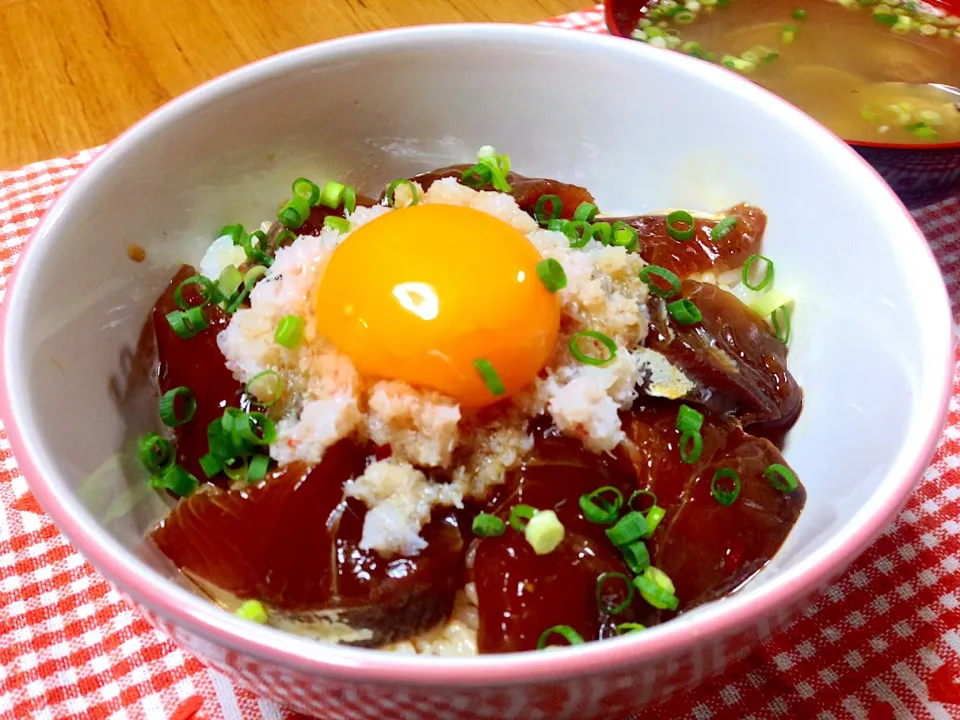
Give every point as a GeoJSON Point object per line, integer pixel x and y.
{"type": "Point", "coordinates": [643, 130]}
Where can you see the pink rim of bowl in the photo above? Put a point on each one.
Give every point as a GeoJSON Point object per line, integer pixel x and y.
{"type": "Point", "coordinates": [199, 616]}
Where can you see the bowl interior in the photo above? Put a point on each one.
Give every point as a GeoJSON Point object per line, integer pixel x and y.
{"type": "Point", "coordinates": [871, 330]}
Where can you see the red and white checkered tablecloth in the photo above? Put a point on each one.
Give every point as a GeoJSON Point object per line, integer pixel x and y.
{"type": "Point", "coordinates": [882, 642]}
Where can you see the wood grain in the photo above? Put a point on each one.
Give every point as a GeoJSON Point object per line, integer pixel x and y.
{"type": "Point", "coordinates": [75, 73]}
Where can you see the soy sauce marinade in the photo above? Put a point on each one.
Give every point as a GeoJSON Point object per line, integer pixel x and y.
{"type": "Point", "coordinates": [686, 510]}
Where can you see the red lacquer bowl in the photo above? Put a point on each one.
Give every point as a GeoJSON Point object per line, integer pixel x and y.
{"type": "Point", "coordinates": [915, 172]}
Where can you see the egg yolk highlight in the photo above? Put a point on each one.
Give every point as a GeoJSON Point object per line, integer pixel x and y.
{"type": "Point", "coordinates": [420, 293]}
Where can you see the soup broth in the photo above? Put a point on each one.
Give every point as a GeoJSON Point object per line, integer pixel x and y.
{"type": "Point", "coordinates": [882, 72]}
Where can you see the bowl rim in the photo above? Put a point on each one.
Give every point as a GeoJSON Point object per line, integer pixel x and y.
{"type": "Point", "coordinates": [197, 615]}
{"type": "Point", "coordinates": [912, 147]}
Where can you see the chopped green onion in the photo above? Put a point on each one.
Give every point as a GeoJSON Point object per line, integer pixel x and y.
{"type": "Point", "coordinates": [266, 387]}
{"type": "Point", "coordinates": [499, 166]}
{"type": "Point", "coordinates": [210, 465]}
{"type": "Point", "coordinates": [307, 189]}
{"type": "Point", "coordinates": [487, 525]}
{"type": "Point", "coordinates": [781, 478]}
{"type": "Point", "coordinates": [922, 131]}
{"type": "Point", "coordinates": [229, 281]}
{"type": "Point", "coordinates": [520, 516]}
{"type": "Point", "coordinates": [684, 312]}
{"type": "Point", "coordinates": [629, 628]}
{"type": "Point", "coordinates": [654, 594]}
{"type": "Point", "coordinates": [723, 228]}
{"type": "Point", "coordinates": [655, 516]}
{"type": "Point", "coordinates": [767, 265]}
{"type": "Point", "coordinates": [885, 18]}
{"type": "Point", "coordinates": [249, 280]}
{"type": "Point", "coordinates": [636, 556]}
{"type": "Point", "coordinates": [285, 238]}
{"type": "Point", "coordinates": [675, 220]}
{"type": "Point", "coordinates": [339, 224]}
{"type": "Point", "coordinates": [691, 446]}
{"type": "Point", "coordinates": [349, 199]}
{"type": "Point", "coordinates": [603, 232]}
{"type": "Point", "coordinates": [787, 34]}
{"type": "Point", "coordinates": [259, 464]}
{"type": "Point", "coordinates": [642, 494]}
{"type": "Point", "coordinates": [168, 406]}
{"type": "Point", "coordinates": [477, 176]}
{"type": "Point", "coordinates": [220, 439]}
{"type": "Point", "coordinates": [247, 427]}
{"type": "Point", "coordinates": [175, 479]}
{"type": "Point", "coordinates": [799, 14]}
{"type": "Point", "coordinates": [254, 611]}
{"type": "Point", "coordinates": [187, 324]}
{"type": "Point", "coordinates": [551, 274]}
{"type": "Point", "coordinates": [294, 213]}
{"type": "Point", "coordinates": [578, 232]}
{"type": "Point", "coordinates": [609, 344]}
{"type": "Point", "coordinates": [601, 600]}
{"type": "Point", "coordinates": [630, 528]}
{"type": "Point", "coordinates": [234, 232]}
{"type": "Point", "coordinates": [597, 510]}
{"type": "Point", "coordinates": [208, 292]}
{"type": "Point", "coordinates": [764, 304]}
{"type": "Point", "coordinates": [586, 211]}
{"type": "Point", "coordinates": [156, 453]}
{"type": "Point", "coordinates": [655, 271]}
{"type": "Point", "coordinates": [689, 420]}
{"type": "Point", "coordinates": [565, 631]}
{"type": "Point", "coordinates": [737, 64]}
{"type": "Point", "coordinates": [392, 192]}
{"type": "Point", "coordinates": [489, 376]}
{"type": "Point", "coordinates": [255, 252]}
{"type": "Point", "coordinates": [556, 225]}
{"type": "Point", "coordinates": [625, 235]}
{"type": "Point", "coordinates": [684, 17]}
{"type": "Point", "coordinates": [290, 331]}
{"type": "Point", "coordinates": [723, 492]}
{"type": "Point", "coordinates": [540, 211]}
{"type": "Point", "coordinates": [780, 318]}
{"type": "Point", "coordinates": [694, 49]}
{"type": "Point", "coordinates": [236, 468]}
{"type": "Point", "coordinates": [661, 579]}
{"type": "Point", "coordinates": [332, 194]}
{"type": "Point", "coordinates": [544, 532]}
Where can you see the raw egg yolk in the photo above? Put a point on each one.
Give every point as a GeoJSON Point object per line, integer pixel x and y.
{"type": "Point", "coordinates": [420, 293]}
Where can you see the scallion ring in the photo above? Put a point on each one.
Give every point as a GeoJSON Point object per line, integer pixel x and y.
{"type": "Point", "coordinates": [341, 225]}
{"type": "Point", "coordinates": [498, 176]}
{"type": "Point", "coordinates": [586, 211]}
{"type": "Point", "coordinates": [487, 525]}
{"type": "Point", "coordinates": [392, 192]}
{"type": "Point", "coordinates": [294, 213]}
{"type": "Point", "coordinates": [332, 194]}
{"type": "Point", "coordinates": [636, 556]}
{"type": "Point", "coordinates": [597, 509]}
{"type": "Point", "coordinates": [520, 516]}
{"type": "Point", "coordinates": [689, 420]}
{"type": "Point", "coordinates": [175, 479]}
{"type": "Point", "coordinates": [629, 628]}
{"type": "Point", "coordinates": [349, 199]}
{"type": "Point", "coordinates": [254, 246]}
{"type": "Point", "coordinates": [187, 324]}
{"type": "Point", "coordinates": [625, 235]}
{"type": "Point", "coordinates": [489, 376]}
{"type": "Point", "coordinates": [551, 274]}
{"type": "Point", "coordinates": [780, 318]}
{"type": "Point", "coordinates": [168, 406]}
{"type": "Point", "coordinates": [257, 471]}
{"type": "Point", "coordinates": [307, 189]}
{"type": "Point", "coordinates": [565, 631]}
{"type": "Point", "coordinates": [677, 218]}
{"type": "Point", "coordinates": [234, 232]}
{"type": "Point", "coordinates": [767, 278]}
{"type": "Point", "coordinates": [229, 280]}
{"type": "Point", "coordinates": [629, 529]}
{"type": "Point", "coordinates": [208, 292]}
{"type": "Point", "coordinates": [684, 312]}
{"type": "Point", "coordinates": [156, 453]}
{"type": "Point", "coordinates": [578, 232]}
{"type": "Point", "coordinates": [723, 228]}
{"type": "Point", "coordinates": [210, 465]}
{"type": "Point", "coordinates": [691, 446]}
{"type": "Point", "coordinates": [642, 494]}
{"type": "Point", "coordinates": [540, 211]}
{"type": "Point", "coordinates": [599, 337]}
{"type": "Point", "coordinates": [657, 596]}
{"type": "Point", "coordinates": [655, 516]}
{"type": "Point", "coordinates": [725, 486]}
{"type": "Point", "coordinates": [255, 428]}
{"type": "Point", "coordinates": [236, 468]}
{"type": "Point", "coordinates": [781, 478]}
{"type": "Point", "coordinates": [477, 176]}
{"type": "Point", "coordinates": [266, 387]}
{"type": "Point", "coordinates": [601, 600]}
{"type": "Point", "coordinates": [289, 332]}
{"type": "Point", "coordinates": [652, 274]}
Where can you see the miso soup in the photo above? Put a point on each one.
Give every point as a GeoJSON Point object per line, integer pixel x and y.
{"type": "Point", "coordinates": [884, 72]}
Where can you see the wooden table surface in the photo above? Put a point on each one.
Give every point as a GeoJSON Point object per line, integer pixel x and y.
{"type": "Point", "coordinates": [75, 73]}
